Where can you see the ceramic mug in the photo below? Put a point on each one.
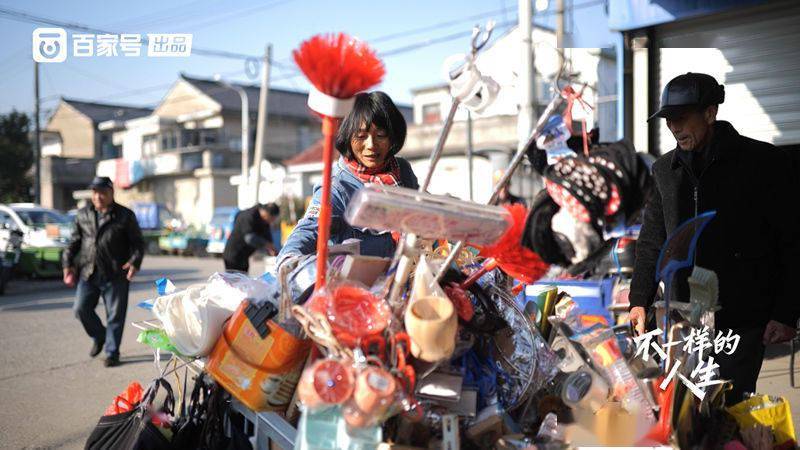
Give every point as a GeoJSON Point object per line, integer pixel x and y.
{"type": "Point", "coordinates": [374, 390]}
{"type": "Point", "coordinates": [431, 323]}
{"type": "Point", "coordinates": [326, 382]}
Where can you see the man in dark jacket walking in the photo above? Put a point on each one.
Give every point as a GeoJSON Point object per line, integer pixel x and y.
{"type": "Point", "coordinates": [105, 253]}
{"type": "Point", "coordinates": [251, 232]}
{"type": "Point", "coordinates": [750, 243]}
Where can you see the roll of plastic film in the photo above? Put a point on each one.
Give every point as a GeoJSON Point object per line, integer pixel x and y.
{"type": "Point", "coordinates": [585, 390]}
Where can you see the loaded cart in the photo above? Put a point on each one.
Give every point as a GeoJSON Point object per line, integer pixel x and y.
{"type": "Point", "coordinates": [451, 343]}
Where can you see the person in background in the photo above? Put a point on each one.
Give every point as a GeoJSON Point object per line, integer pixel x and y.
{"type": "Point", "coordinates": [251, 231]}
{"type": "Point", "coordinates": [104, 255]}
{"type": "Point", "coordinates": [751, 242]}
{"type": "Point", "coordinates": [368, 139]}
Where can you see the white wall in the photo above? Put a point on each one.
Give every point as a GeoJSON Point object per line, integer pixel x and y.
{"type": "Point", "coordinates": [501, 61]}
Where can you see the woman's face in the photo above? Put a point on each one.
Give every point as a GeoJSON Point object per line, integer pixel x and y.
{"type": "Point", "coordinates": [371, 146]}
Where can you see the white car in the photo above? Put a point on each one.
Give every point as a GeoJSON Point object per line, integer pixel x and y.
{"type": "Point", "coordinates": [40, 227]}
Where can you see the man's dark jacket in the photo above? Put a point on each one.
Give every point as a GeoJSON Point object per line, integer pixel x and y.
{"type": "Point", "coordinates": [249, 233]}
{"type": "Point", "coordinates": [751, 243]}
{"type": "Point", "coordinates": [106, 243]}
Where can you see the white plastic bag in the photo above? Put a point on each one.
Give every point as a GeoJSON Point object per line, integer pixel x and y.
{"type": "Point", "coordinates": [194, 317]}
{"type": "Point", "coordinates": [228, 289]}
{"type": "Point", "coordinates": [192, 322]}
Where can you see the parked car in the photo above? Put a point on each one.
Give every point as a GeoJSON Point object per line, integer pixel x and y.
{"type": "Point", "coordinates": [45, 234]}
{"type": "Point", "coordinates": [155, 220]}
{"type": "Point", "coordinates": [10, 251]}
{"type": "Point", "coordinates": [220, 228]}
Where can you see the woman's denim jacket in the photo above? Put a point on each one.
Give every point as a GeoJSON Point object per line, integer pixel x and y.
{"type": "Point", "coordinates": [303, 240]}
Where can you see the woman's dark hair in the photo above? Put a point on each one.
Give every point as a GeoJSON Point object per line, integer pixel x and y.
{"type": "Point", "coordinates": [372, 108]}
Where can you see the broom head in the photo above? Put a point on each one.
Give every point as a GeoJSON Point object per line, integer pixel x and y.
{"type": "Point", "coordinates": [339, 65]}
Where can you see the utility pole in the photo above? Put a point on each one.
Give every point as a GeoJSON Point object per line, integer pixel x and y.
{"type": "Point", "coordinates": [560, 31]}
{"type": "Point", "coordinates": [469, 152]}
{"type": "Point", "coordinates": [261, 126]}
{"type": "Point", "coordinates": [37, 149]}
{"type": "Point", "coordinates": [243, 203]}
{"type": "Point", "coordinates": [527, 75]}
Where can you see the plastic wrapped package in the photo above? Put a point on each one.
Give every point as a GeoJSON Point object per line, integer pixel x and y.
{"type": "Point", "coordinates": [228, 289]}
{"type": "Point", "coordinates": [367, 394]}
{"type": "Point", "coordinates": [352, 311]}
{"type": "Point", "coordinates": [425, 215]}
{"type": "Point", "coordinates": [602, 346]}
{"type": "Point", "coordinates": [430, 318]}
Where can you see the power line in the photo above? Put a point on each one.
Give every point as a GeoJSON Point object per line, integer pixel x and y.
{"type": "Point", "coordinates": [145, 19]}
{"type": "Point", "coordinates": [31, 18]}
{"type": "Point", "coordinates": [236, 14]}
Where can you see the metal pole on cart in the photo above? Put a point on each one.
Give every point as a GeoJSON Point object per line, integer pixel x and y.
{"type": "Point", "coordinates": [409, 241]}
{"type": "Point", "coordinates": [515, 162]}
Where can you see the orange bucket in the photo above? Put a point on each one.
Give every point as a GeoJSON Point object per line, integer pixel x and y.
{"type": "Point", "coordinates": [262, 373]}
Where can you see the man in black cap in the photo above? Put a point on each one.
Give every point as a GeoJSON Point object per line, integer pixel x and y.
{"type": "Point", "coordinates": [105, 253]}
{"type": "Point", "coordinates": [251, 232]}
{"type": "Point", "coordinates": [750, 243]}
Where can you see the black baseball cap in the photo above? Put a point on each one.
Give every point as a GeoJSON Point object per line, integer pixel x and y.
{"type": "Point", "coordinates": [101, 183]}
{"type": "Point", "coordinates": [689, 91]}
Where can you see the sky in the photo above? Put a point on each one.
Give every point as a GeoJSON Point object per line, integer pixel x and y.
{"type": "Point", "coordinates": [416, 35]}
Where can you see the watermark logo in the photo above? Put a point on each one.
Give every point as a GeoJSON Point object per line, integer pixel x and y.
{"type": "Point", "coordinates": [50, 45]}
{"type": "Point", "coordinates": [699, 342]}
{"type": "Point", "coordinates": [161, 45]}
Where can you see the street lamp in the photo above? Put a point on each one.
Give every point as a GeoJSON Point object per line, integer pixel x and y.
{"type": "Point", "coordinates": [245, 129]}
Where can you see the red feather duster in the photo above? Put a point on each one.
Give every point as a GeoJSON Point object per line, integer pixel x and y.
{"type": "Point", "coordinates": [339, 67]}
{"type": "Point", "coordinates": [520, 262]}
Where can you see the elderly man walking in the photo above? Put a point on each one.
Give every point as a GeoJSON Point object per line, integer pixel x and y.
{"type": "Point", "coordinates": [105, 253]}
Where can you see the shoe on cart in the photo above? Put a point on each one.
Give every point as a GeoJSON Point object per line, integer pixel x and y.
{"type": "Point", "coordinates": [97, 347]}
{"type": "Point", "coordinates": [111, 361]}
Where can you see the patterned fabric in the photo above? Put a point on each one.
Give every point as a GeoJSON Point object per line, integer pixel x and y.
{"type": "Point", "coordinates": [388, 175]}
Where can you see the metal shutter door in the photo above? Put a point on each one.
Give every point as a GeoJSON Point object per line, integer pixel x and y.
{"type": "Point", "coordinates": [755, 54]}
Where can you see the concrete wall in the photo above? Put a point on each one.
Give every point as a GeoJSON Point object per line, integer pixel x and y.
{"type": "Point", "coordinates": [184, 98]}
{"type": "Point", "coordinates": [77, 132]}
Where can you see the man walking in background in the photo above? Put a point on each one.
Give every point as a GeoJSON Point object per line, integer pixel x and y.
{"type": "Point", "coordinates": [105, 253]}
{"type": "Point", "coordinates": [251, 232]}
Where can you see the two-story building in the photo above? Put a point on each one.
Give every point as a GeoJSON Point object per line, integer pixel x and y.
{"type": "Point", "coordinates": [72, 143]}
{"type": "Point", "coordinates": [187, 154]}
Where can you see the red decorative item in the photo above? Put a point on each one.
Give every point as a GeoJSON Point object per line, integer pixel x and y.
{"type": "Point", "coordinates": [127, 400]}
{"type": "Point", "coordinates": [520, 262]}
{"type": "Point", "coordinates": [353, 312]}
{"type": "Point", "coordinates": [338, 67]}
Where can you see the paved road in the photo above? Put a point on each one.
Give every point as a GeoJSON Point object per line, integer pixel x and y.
{"type": "Point", "coordinates": [52, 393]}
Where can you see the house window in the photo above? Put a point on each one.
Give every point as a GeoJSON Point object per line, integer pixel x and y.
{"type": "Point", "coordinates": [208, 137]}
{"type": "Point", "coordinates": [107, 148]}
{"type": "Point", "coordinates": [150, 144]}
{"type": "Point", "coordinates": [169, 140]}
{"type": "Point", "coordinates": [431, 113]}
{"type": "Point", "coordinates": [304, 137]}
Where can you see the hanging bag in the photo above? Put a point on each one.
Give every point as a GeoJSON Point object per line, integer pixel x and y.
{"type": "Point", "coordinates": [134, 430]}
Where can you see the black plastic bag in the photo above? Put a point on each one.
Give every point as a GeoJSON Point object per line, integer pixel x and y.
{"type": "Point", "coordinates": [220, 413]}
{"type": "Point", "coordinates": [134, 430]}
{"type": "Point", "coordinates": [188, 427]}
